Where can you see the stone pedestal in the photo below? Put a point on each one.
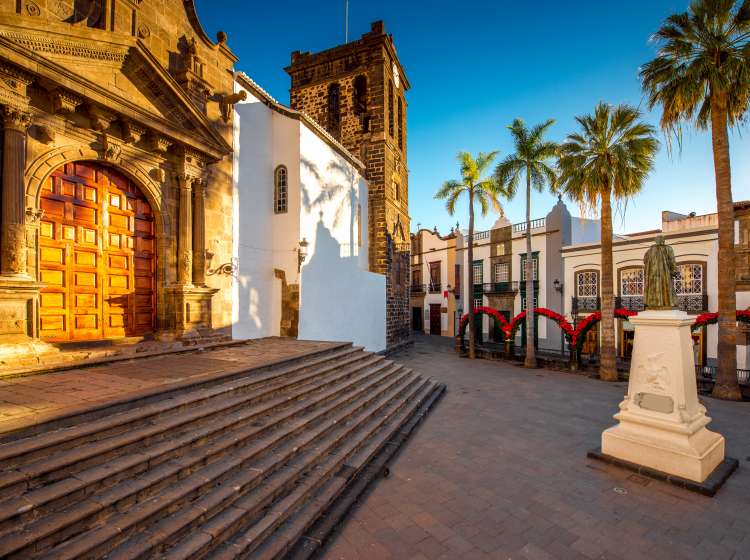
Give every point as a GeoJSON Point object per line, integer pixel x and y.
{"type": "Point", "coordinates": [192, 305]}
{"type": "Point", "coordinates": [19, 304]}
{"type": "Point", "coordinates": [662, 425]}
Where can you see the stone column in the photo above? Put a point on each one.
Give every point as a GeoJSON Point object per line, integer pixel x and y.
{"type": "Point", "coordinates": [199, 233]}
{"type": "Point", "coordinates": [185, 232]}
{"type": "Point", "coordinates": [13, 256]}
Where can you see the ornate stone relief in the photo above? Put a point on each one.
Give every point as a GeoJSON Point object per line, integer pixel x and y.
{"type": "Point", "coordinates": [32, 8]}
{"type": "Point", "coordinates": [111, 148]}
{"type": "Point", "coordinates": [131, 132]}
{"type": "Point", "coordinates": [44, 44]}
{"type": "Point", "coordinates": [100, 118]}
{"type": "Point", "coordinates": [78, 12]}
{"type": "Point", "coordinates": [64, 101]}
{"type": "Point", "coordinates": [16, 119]}
{"type": "Point", "coordinates": [157, 143]}
{"type": "Point", "coordinates": [654, 374]}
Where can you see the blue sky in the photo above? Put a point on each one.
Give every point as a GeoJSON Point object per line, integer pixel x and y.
{"type": "Point", "coordinates": [475, 66]}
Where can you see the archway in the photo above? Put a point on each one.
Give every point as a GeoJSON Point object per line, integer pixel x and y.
{"type": "Point", "coordinates": [97, 254]}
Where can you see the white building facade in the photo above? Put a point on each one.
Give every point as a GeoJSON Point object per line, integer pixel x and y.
{"type": "Point", "coordinates": [300, 219]}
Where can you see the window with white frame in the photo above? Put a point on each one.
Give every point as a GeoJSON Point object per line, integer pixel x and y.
{"type": "Point", "coordinates": [477, 273]}
{"type": "Point", "coordinates": [631, 282]}
{"type": "Point", "coordinates": [477, 302]}
{"type": "Point", "coordinates": [281, 190]}
{"type": "Point", "coordinates": [523, 302]}
{"type": "Point", "coordinates": [534, 266]}
{"type": "Point", "coordinates": [587, 284]}
{"type": "Point", "coordinates": [501, 272]}
{"type": "Point", "coordinates": [689, 280]}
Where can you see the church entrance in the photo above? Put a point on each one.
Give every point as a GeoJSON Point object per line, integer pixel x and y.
{"type": "Point", "coordinates": [96, 256]}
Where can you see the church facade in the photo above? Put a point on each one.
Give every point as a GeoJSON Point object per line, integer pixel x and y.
{"type": "Point", "coordinates": [117, 131]}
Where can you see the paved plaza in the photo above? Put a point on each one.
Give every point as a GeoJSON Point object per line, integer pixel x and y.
{"type": "Point", "coordinates": [499, 470]}
{"type": "Point", "coordinates": [29, 400]}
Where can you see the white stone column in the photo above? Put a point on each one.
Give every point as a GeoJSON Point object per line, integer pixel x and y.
{"type": "Point", "coordinates": [185, 232]}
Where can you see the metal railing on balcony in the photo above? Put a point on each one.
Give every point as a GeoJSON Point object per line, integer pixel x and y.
{"type": "Point", "coordinates": [631, 303]}
{"type": "Point", "coordinates": [417, 288]}
{"type": "Point", "coordinates": [434, 287]}
{"type": "Point", "coordinates": [500, 288]}
{"type": "Point", "coordinates": [586, 304]}
{"type": "Point", "coordinates": [693, 303]}
{"type": "Point", "coordinates": [535, 224]}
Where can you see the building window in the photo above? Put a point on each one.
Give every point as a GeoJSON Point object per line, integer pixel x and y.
{"type": "Point", "coordinates": [334, 108]}
{"type": "Point", "coordinates": [477, 273]}
{"type": "Point", "coordinates": [631, 282]}
{"type": "Point", "coordinates": [416, 277]}
{"type": "Point", "coordinates": [360, 94]}
{"type": "Point", "coordinates": [534, 266]}
{"type": "Point", "coordinates": [689, 279]}
{"type": "Point", "coordinates": [587, 284]}
{"type": "Point", "coordinates": [435, 276]}
{"type": "Point", "coordinates": [457, 281]}
{"type": "Point", "coordinates": [396, 191]}
{"type": "Point", "coordinates": [400, 124]}
{"type": "Point", "coordinates": [477, 302]}
{"type": "Point", "coordinates": [501, 272]}
{"type": "Point", "coordinates": [390, 108]}
{"type": "Point", "coordinates": [281, 190]}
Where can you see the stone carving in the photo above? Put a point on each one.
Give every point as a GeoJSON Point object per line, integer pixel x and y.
{"type": "Point", "coordinates": [14, 247]}
{"type": "Point", "coordinates": [660, 268]}
{"type": "Point", "coordinates": [228, 102]}
{"type": "Point", "coordinates": [15, 118]}
{"type": "Point", "coordinates": [157, 143]}
{"type": "Point", "coordinates": [131, 132]}
{"type": "Point", "coordinates": [32, 9]}
{"type": "Point", "coordinates": [187, 265]}
{"type": "Point", "coordinates": [100, 118]}
{"type": "Point", "coordinates": [111, 148]}
{"type": "Point", "coordinates": [654, 374]}
{"type": "Point", "coordinates": [87, 12]}
{"type": "Point", "coordinates": [46, 134]}
{"type": "Point", "coordinates": [144, 32]}
{"type": "Point", "coordinates": [43, 44]}
{"type": "Point", "coordinates": [34, 216]}
{"type": "Point", "coordinates": [64, 101]}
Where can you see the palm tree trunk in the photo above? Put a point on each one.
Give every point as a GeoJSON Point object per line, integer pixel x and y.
{"type": "Point", "coordinates": [607, 358]}
{"type": "Point", "coordinates": [726, 386]}
{"type": "Point", "coordinates": [530, 361]}
{"type": "Point", "coordinates": [470, 286]}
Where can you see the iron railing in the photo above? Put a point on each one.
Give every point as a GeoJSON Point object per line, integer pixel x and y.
{"type": "Point", "coordinates": [499, 288]}
{"type": "Point", "coordinates": [631, 303]}
{"type": "Point", "coordinates": [693, 303]}
{"type": "Point", "coordinates": [586, 304]}
{"type": "Point", "coordinates": [434, 287]}
{"type": "Point", "coordinates": [417, 288]}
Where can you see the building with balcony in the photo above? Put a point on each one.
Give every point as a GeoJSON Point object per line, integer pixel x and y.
{"type": "Point", "coordinates": [694, 240]}
{"type": "Point", "coordinates": [433, 282]}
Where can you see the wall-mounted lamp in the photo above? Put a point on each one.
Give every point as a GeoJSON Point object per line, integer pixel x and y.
{"type": "Point", "coordinates": [301, 253]}
{"type": "Point", "coordinates": [225, 269]}
{"type": "Point", "coordinates": [557, 285]}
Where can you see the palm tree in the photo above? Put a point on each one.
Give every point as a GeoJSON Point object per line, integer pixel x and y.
{"type": "Point", "coordinates": [485, 191]}
{"type": "Point", "coordinates": [531, 159]}
{"type": "Point", "coordinates": [610, 156]}
{"type": "Point", "coordinates": [701, 74]}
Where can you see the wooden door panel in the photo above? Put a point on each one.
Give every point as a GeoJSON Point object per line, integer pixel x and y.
{"type": "Point", "coordinates": [98, 273]}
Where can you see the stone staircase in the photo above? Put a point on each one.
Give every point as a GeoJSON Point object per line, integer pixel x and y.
{"type": "Point", "coordinates": [241, 467]}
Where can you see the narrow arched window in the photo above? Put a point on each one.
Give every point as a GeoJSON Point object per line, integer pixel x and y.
{"type": "Point", "coordinates": [334, 108]}
{"type": "Point", "coordinates": [360, 94]}
{"type": "Point", "coordinates": [281, 190]}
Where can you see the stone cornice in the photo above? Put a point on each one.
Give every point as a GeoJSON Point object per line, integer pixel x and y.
{"type": "Point", "coordinates": [204, 138]}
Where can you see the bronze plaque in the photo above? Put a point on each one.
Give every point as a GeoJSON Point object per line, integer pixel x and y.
{"type": "Point", "coordinates": [656, 403]}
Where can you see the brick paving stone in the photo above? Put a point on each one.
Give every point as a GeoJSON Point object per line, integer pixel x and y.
{"type": "Point", "coordinates": [500, 468]}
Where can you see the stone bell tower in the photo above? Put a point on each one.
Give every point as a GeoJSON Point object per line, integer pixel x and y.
{"type": "Point", "coordinates": [357, 92]}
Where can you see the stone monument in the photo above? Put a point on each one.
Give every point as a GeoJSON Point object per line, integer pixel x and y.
{"type": "Point", "coordinates": [662, 425]}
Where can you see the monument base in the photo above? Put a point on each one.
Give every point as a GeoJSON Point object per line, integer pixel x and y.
{"type": "Point", "coordinates": [708, 487]}
{"type": "Point", "coordinates": [662, 425]}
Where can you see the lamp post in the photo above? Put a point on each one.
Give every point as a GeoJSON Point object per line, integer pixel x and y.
{"type": "Point", "coordinates": [559, 288]}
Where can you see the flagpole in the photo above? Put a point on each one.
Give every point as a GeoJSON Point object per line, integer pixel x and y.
{"type": "Point", "coordinates": [346, 37]}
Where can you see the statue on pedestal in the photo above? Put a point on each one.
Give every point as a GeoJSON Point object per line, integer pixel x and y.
{"type": "Point", "coordinates": [660, 270]}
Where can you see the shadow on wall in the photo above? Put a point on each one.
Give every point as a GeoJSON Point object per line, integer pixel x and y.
{"type": "Point", "coordinates": [339, 300]}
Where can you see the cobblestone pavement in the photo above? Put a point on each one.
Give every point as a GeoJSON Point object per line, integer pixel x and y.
{"type": "Point", "coordinates": [32, 399]}
{"type": "Point", "coordinates": [499, 470]}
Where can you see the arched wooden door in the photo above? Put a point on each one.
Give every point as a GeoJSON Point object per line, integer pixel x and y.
{"type": "Point", "coordinates": [97, 255]}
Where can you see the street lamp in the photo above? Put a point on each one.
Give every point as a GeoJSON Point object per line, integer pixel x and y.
{"type": "Point", "coordinates": [301, 253]}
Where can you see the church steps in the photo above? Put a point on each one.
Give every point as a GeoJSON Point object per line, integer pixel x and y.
{"type": "Point", "coordinates": [266, 456]}
{"type": "Point", "coordinates": [314, 492]}
{"type": "Point", "coordinates": [178, 531]}
{"type": "Point", "coordinates": [56, 465]}
{"type": "Point", "coordinates": [20, 451]}
{"type": "Point", "coordinates": [202, 470]}
{"type": "Point", "coordinates": [162, 472]}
